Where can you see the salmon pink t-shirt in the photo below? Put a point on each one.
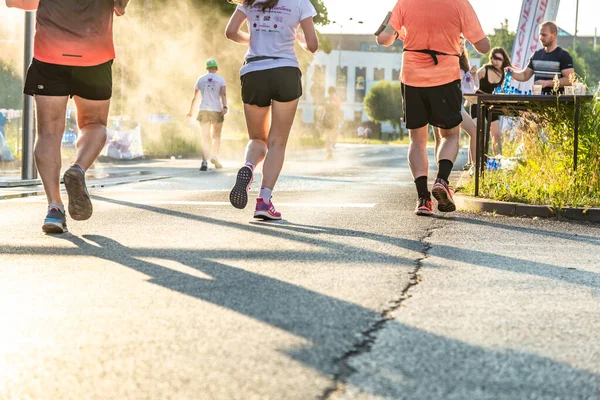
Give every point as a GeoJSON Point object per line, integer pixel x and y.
{"type": "Point", "coordinates": [434, 25]}
{"type": "Point", "coordinates": [74, 32]}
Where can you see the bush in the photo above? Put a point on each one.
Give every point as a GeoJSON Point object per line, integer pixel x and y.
{"type": "Point", "coordinates": [546, 175]}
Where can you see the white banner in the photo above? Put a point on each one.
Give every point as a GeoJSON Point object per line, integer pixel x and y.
{"type": "Point", "coordinates": [533, 13]}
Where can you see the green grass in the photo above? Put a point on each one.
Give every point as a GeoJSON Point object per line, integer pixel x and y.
{"type": "Point", "coordinates": [545, 175]}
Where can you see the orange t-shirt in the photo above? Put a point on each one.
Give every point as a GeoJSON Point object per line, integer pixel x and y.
{"type": "Point", "coordinates": [74, 32]}
{"type": "Point", "coordinates": [434, 25]}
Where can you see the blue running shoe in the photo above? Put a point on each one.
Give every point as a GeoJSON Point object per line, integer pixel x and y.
{"type": "Point", "coordinates": [55, 222]}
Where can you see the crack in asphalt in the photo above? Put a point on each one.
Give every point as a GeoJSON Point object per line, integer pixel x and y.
{"type": "Point", "coordinates": [369, 336]}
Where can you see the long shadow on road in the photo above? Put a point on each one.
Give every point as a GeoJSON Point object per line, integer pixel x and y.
{"type": "Point", "coordinates": [420, 365]}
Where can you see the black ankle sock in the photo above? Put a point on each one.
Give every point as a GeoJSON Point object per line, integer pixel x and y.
{"type": "Point", "coordinates": [444, 169]}
{"type": "Point", "coordinates": [421, 183]}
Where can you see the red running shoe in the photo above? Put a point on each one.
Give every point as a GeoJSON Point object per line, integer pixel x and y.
{"type": "Point", "coordinates": [424, 207]}
{"type": "Point", "coordinates": [443, 194]}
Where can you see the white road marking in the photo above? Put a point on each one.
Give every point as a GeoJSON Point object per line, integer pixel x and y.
{"type": "Point", "coordinates": [212, 203]}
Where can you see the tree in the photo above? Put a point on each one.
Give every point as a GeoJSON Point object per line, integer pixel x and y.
{"type": "Point", "coordinates": [502, 37]}
{"type": "Point", "coordinates": [11, 95]}
{"type": "Point", "coordinates": [587, 64]}
{"type": "Point", "coordinates": [384, 103]}
{"type": "Point", "coordinates": [225, 7]}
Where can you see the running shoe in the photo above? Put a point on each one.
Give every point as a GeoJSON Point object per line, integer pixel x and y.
{"type": "Point", "coordinates": [216, 162]}
{"type": "Point", "coordinates": [443, 194]}
{"type": "Point", "coordinates": [55, 222]}
{"type": "Point", "coordinates": [80, 205]}
{"type": "Point", "coordinates": [424, 207]}
{"type": "Point", "coordinates": [266, 211]}
{"type": "Point", "coordinates": [204, 166]}
{"type": "Point", "coordinates": [239, 194]}
{"type": "Point", "coordinates": [467, 166]}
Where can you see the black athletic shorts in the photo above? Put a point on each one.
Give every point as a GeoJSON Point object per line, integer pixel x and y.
{"type": "Point", "coordinates": [211, 117]}
{"type": "Point", "coordinates": [438, 106]}
{"type": "Point", "coordinates": [474, 113]}
{"type": "Point", "coordinates": [282, 84]}
{"type": "Point", "coordinates": [91, 83]}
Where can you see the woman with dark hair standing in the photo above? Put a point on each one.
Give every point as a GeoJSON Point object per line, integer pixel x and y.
{"type": "Point", "coordinates": [491, 75]}
{"type": "Point", "coordinates": [469, 85]}
{"type": "Point", "coordinates": [271, 88]}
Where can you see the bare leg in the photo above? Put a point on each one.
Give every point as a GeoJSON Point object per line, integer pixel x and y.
{"type": "Point", "coordinates": [205, 140]}
{"type": "Point", "coordinates": [257, 122]}
{"type": "Point", "coordinates": [448, 149]}
{"type": "Point", "coordinates": [281, 125]}
{"type": "Point", "coordinates": [51, 113]}
{"type": "Point", "coordinates": [496, 138]}
{"type": "Point", "coordinates": [469, 126]}
{"type": "Point", "coordinates": [438, 138]}
{"type": "Point", "coordinates": [417, 151]}
{"type": "Point", "coordinates": [216, 138]}
{"type": "Point", "coordinates": [92, 118]}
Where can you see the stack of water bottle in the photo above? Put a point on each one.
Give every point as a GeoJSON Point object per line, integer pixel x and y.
{"type": "Point", "coordinates": [506, 87]}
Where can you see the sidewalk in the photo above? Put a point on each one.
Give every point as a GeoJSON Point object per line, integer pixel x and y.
{"type": "Point", "coordinates": [106, 174]}
{"type": "Point", "coordinates": [512, 209]}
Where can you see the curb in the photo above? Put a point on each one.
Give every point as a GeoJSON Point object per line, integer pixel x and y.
{"type": "Point", "coordinates": [92, 186]}
{"type": "Point", "coordinates": [467, 203]}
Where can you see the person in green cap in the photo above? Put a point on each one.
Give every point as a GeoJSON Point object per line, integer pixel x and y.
{"type": "Point", "coordinates": [211, 92]}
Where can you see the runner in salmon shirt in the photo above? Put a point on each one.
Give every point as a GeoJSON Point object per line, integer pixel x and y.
{"type": "Point", "coordinates": [431, 86]}
{"type": "Point", "coordinates": [73, 55]}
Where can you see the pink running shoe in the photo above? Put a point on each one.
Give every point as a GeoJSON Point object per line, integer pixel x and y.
{"type": "Point", "coordinates": [239, 194]}
{"type": "Point", "coordinates": [443, 194]}
{"type": "Point", "coordinates": [266, 211]}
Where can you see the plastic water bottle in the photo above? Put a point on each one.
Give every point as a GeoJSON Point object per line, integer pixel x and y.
{"type": "Point", "coordinates": [507, 82]}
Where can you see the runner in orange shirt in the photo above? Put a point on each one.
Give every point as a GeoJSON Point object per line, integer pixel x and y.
{"type": "Point", "coordinates": [431, 86]}
{"type": "Point", "coordinates": [72, 57]}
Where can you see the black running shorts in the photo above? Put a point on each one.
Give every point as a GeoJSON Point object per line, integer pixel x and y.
{"type": "Point", "coordinates": [439, 106]}
{"type": "Point", "coordinates": [91, 83]}
{"type": "Point", "coordinates": [282, 84]}
{"type": "Point", "coordinates": [211, 117]}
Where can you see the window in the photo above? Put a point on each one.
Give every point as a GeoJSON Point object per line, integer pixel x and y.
{"type": "Point", "coordinates": [360, 86]}
{"type": "Point", "coordinates": [342, 82]}
{"type": "Point", "coordinates": [379, 74]}
{"type": "Point", "coordinates": [395, 75]}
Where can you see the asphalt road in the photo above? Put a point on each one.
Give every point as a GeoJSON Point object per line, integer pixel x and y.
{"type": "Point", "coordinates": [168, 292]}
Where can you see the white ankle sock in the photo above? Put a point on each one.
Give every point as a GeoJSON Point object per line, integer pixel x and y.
{"type": "Point", "coordinates": [249, 164]}
{"type": "Point", "coordinates": [265, 194]}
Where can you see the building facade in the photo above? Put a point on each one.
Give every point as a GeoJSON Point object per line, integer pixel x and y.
{"type": "Point", "coordinates": [353, 67]}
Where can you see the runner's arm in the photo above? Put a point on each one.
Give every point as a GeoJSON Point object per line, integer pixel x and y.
{"type": "Point", "coordinates": [233, 31]}
{"type": "Point", "coordinates": [309, 40]}
{"type": "Point", "coordinates": [120, 6]}
{"type": "Point", "coordinates": [194, 104]}
{"type": "Point", "coordinates": [521, 76]}
{"type": "Point", "coordinates": [387, 37]}
{"type": "Point", "coordinates": [224, 100]}
{"type": "Point", "coordinates": [27, 5]}
{"type": "Point", "coordinates": [483, 46]}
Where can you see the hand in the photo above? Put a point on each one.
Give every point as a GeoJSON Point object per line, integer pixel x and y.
{"type": "Point", "coordinates": [224, 111]}
{"type": "Point", "coordinates": [509, 69]}
{"type": "Point", "coordinates": [189, 115]}
{"type": "Point", "coordinates": [473, 70]}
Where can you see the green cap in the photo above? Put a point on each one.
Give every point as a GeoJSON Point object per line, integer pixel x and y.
{"type": "Point", "coordinates": [211, 63]}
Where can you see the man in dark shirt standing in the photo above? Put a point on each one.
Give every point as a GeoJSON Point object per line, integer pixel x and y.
{"type": "Point", "coordinates": [72, 57]}
{"type": "Point", "coordinates": [548, 62]}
